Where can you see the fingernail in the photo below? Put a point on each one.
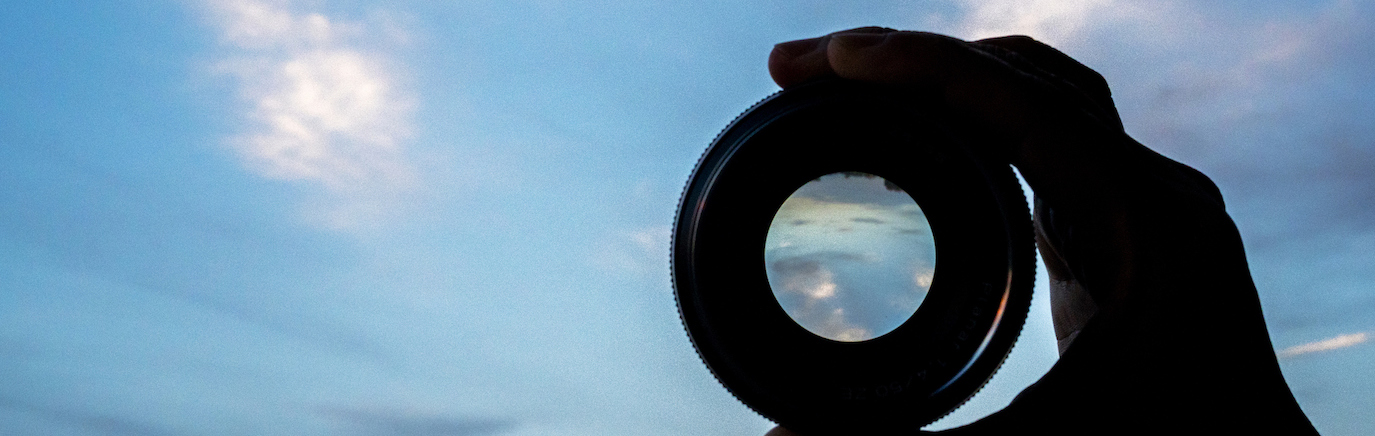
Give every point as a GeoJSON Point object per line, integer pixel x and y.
{"type": "Point", "coordinates": [799, 47]}
{"type": "Point", "coordinates": [853, 41]}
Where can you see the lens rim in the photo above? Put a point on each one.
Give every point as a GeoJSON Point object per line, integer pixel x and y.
{"type": "Point", "coordinates": [901, 380]}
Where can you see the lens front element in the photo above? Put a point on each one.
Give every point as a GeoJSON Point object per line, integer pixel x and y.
{"type": "Point", "coordinates": [850, 256]}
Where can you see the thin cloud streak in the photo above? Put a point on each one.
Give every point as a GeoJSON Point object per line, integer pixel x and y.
{"type": "Point", "coordinates": [321, 110]}
{"type": "Point", "coordinates": [401, 422]}
{"type": "Point", "coordinates": [1329, 344]}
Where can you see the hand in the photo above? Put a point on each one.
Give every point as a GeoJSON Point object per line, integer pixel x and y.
{"type": "Point", "coordinates": [1159, 325]}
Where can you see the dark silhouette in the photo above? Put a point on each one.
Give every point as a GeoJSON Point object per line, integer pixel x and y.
{"type": "Point", "coordinates": [1159, 324]}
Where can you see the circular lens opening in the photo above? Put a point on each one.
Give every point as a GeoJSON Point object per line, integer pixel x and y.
{"type": "Point", "coordinates": [850, 256]}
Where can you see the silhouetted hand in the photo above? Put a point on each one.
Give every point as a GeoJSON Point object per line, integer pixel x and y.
{"type": "Point", "coordinates": [1159, 325]}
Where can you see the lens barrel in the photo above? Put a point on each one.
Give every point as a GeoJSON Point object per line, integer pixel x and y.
{"type": "Point", "coordinates": [899, 381]}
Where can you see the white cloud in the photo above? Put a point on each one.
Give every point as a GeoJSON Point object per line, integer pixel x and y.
{"type": "Point", "coordinates": [817, 309]}
{"type": "Point", "coordinates": [838, 328]}
{"type": "Point", "coordinates": [817, 283]}
{"type": "Point", "coordinates": [322, 110]}
{"type": "Point", "coordinates": [922, 278]}
{"type": "Point", "coordinates": [1328, 344]}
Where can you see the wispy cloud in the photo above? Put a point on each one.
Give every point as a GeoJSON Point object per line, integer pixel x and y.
{"type": "Point", "coordinates": [90, 421]}
{"type": "Point", "coordinates": [410, 423]}
{"type": "Point", "coordinates": [321, 109]}
{"type": "Point", "coordinates": [642, 252]}
{"type": "Point", "coordinates": [1329, 344]}
{"type": "Point", "coordinates": [1053, 21]}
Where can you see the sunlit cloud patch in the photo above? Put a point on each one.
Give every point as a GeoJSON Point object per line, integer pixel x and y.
{"type": "Point", "coordinates": [1050, 20]}
{"type": "Point", "coordinates": [320, 108]}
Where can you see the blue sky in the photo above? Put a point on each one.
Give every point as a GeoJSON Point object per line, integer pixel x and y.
{"type": "Point", "coordinates": [347, 218]}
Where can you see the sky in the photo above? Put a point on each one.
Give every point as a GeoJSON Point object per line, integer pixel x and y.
{"type": "Point", "coordinates": [452, 218]}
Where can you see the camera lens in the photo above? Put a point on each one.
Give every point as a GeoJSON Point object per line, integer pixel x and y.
{"type": "Point", "coordinates": [805, 259]}
{"type": "Point", "coordinates": [849, 256]}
